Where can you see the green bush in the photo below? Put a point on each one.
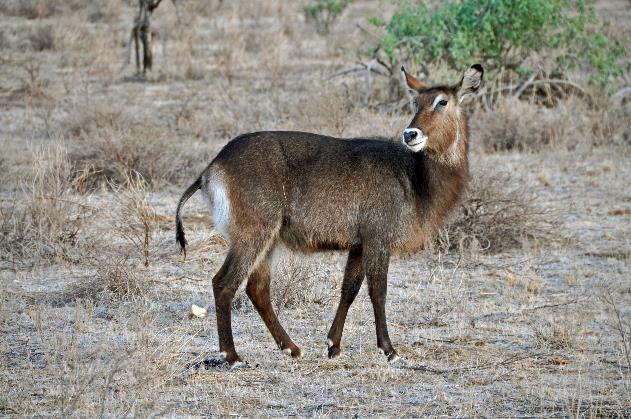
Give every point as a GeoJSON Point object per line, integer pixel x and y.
{"type": "Point", "coordinates": [502, 34]}
{"type": "Point", "coordinates": [324, 12]}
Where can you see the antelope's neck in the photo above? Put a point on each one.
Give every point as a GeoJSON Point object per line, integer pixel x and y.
{"type": "Point", "coordinates": [444, 181]}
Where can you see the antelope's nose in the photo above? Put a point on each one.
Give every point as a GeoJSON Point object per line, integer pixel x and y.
{"type": "Point", "coordinates": [409, 135]}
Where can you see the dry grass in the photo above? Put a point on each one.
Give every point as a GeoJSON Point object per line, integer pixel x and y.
{"type": "Point", "coordinates": [527, 313]}
{"type": "Point", "coordinates": [524, 126]}
{"type": "Point", "coordinates": [46, 219]}
{"type": "Point", "coordinates": [295, 283]}
{"type": "Point", "coordinates": [109, 146]}
{"type": "Point", "coordinates": [120, 279]}
{"type": "Point", "coordinates": [42, 38]}
{"type": "Point", "coordinates": [30, 9]}
{"type": "Point", "coordinates": [510, 126]}
{"type": "Point", "coordinates": [133, 216]}
{"type": "Point", "coordinates": [496, 215]}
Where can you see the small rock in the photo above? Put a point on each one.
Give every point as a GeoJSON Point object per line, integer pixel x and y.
{"type": "Point", "coordinates": [196, 311]}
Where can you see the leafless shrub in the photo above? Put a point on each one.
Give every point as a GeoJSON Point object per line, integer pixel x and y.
{"type": "Point", "coordinates": [294, 282]}
{"type": "Point", "coordinates": [134, 216]}
{"type": "Point", "coordinates": [42, 38]}
{"type": "Point", "coordinates": [112, 278]}
{"type": "Point", "coordinates": [46, 220]}
{"type": "Point", "coordinates": [109, 146]}
{"type": "Point", "coordinates": [114, 266]}
{"type": "Point", "coordinates": [121, 279]}
{"type": "Point", "coordinates": [555, 337]}
{"type": "Point", "coordinates": [495, 215]}
{"type": "Point", "coordinates": [33, 87]}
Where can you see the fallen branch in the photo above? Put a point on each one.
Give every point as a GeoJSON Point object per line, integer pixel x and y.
{"type": "Point", "coordinates": [526, 84]}
{"type": "Point", "coordinates": [620, 94]}
{"type": "Point", "coordinates": [488, 365]}
{"type": "Point", "coordinates": [565, 303]}
{"type": "Point", "coordinates": [366, 31]}
{"type": "Point", "coordinates": [556, 82]}
{"type": "Point", "coordinates": [619, 326]}
{"type": "Point", "coordinates": [358, 67]}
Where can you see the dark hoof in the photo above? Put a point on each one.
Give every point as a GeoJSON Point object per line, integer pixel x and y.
{"type": "Point", "coordinates": [393, 357]}
{"type": "Point", "coordinates": [233, 360]}
{"type": "Point", "coordinates": [293, 350]}
{"type": "Point", "coordinates": [334, 351]}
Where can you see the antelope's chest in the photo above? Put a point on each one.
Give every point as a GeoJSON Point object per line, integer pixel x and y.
{"type": "Point", "coordinates": [412, 231]}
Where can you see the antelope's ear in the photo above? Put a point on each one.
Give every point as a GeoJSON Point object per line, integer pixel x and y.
{"type": "Point", "coordinates": [411, 83]}
{"type": "Point", "coordinates": [470, 83]}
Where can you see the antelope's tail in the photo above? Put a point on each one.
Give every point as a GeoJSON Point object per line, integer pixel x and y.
{"type": "Point", "coordinates": [179, 228]}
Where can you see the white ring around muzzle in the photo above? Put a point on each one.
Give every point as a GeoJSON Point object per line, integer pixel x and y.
{"type": "Point", "coordinates": [418, 142]}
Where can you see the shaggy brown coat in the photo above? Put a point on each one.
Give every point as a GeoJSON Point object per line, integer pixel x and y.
{"type": "Point", "coordinates": [371, 197]}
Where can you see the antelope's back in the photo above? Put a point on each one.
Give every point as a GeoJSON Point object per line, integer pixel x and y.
{"type": "Point", "coordinates": [328, 192]}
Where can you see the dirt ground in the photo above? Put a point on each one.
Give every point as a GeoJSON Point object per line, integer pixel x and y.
{"type": "Point", "coordinates": [541, 329]}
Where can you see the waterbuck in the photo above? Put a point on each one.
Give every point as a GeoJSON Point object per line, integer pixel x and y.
{"type": "Point", "coordinates": [372, 198]}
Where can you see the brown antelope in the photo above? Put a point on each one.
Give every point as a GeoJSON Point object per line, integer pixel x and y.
{"type": "Point", "coordinates": [372, 198]}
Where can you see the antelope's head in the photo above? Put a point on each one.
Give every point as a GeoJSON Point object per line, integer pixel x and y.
{"type": "Point", "coordinates": [439, 124]}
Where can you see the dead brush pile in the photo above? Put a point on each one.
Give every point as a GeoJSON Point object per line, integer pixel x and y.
{"type": "Point", "coordinates": [112, 278]}
{"type": "Point", "coordinates": [108, 146]}
{"type": "Point", "coordinates": [495, 215]}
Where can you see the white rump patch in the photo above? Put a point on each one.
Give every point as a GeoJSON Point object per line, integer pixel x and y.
{"type": "Point", "coordinates": [219, 201]}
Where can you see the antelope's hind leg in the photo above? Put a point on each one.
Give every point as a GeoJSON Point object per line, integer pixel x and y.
{"type": "Point", "coordinates": [240, 261]}
{"type": "Point", "coordinates": [353, 278]}
{"type": "Point", "coordinates": [258, 289]}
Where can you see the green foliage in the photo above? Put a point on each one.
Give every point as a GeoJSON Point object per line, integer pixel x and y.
{"type": "Point", "coordinates": [324, 13]}
{"type": "Point", "coordinates": [501, 34]}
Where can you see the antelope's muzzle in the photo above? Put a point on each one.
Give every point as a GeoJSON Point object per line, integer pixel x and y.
{"type": "Point", "coordinates": [414, 139]}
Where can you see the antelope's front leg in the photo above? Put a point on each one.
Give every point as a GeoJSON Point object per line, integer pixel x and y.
{"type": "Point", "coordinates": [376, 261]}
